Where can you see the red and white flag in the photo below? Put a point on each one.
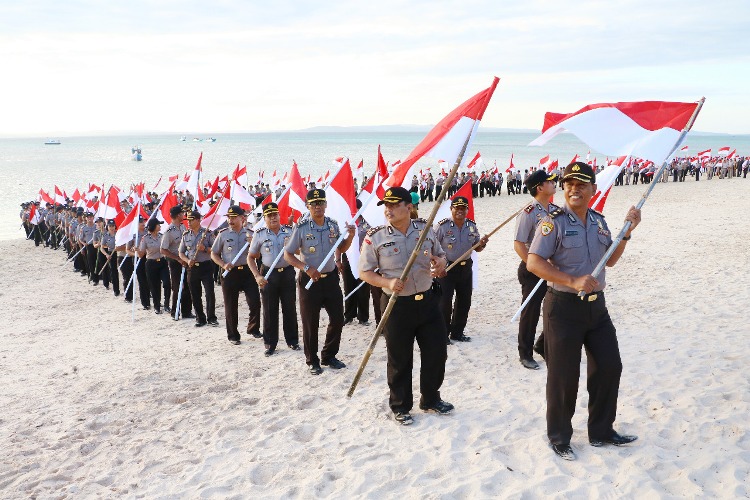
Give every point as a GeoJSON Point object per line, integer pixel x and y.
{"type": "Point", "coordinates": [167, 200]}
{"type": "Point", "coordinates": [732, 153]}
{"type": "Point", "coordinates": [553, 166]}
{"type": "Point", "coordinates": [604, 182]}
{"type": "Point", "coordinates": [475, 162]}
{"type": "Point", "coordinates": [45, 198]}
{"type": "Point", "coordinates": [647, 130]}
{"type": "Point", "coordinates": [544, 163]}
{"type": "Point", "coordinates": [446, 140]}
{"type": "Point", "coordinates": [129, 226]}
{"type": "Point", "coordinates": [193, 184]}
{"type": "Point", "coordinates": [59, 196]}
{"type": "Point", "coordinates": [298, 194]}
{"type": "Point", "coordinates": [359, 171]}
{"type": "Point", "coordinates": [110, 207]}
{"type": "Point", "coordinates": [511, 167]}
{"type": "Point", "coordinates": [371, 212]}
{"type": "Point", "coordinates": [342, 206]}
{"type": "Point", "coordinates": [723, 151]}
{"type": "Point", "coordinates": [684, 148]}
{"type": "Point", "coordinates": [705, 154]}
{"type": "Point", "coordinates": [217, 214]}
{"type": "Point", "coordinates": [240, 175]}
{"type": "Point", "coordinates": [241, 196]}
{"type": "Point", "coordinates": [34, 216]}
{"type": "Point", "coordinates": [445, 212]}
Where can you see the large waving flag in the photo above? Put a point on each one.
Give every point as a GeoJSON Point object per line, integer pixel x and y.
{"type": "Point", "coordinates": [722, 152]}
{"type": "Point", "coordinates": [511, 166]}
{"type": "Point", "coordinates": [298, 194]}
{"type": "Point", "coordinates": [129, 226]}
{"type": "Point", "coordinates": [110, 208]}
{"type": "Point", "coordinates": [446, 140]}
{"type": "Point", "coordinates": [193, 184]}
{"type": "Point", "coordinates": [475, 162]}
{"type": "Point", "coordinates": [217, 214]}
{"type": "Point", "coordinates": [34, 216]}
{"type": "Point", "coordinates": [371, 212]}
{"type": "Point", "coordinates": [648, 129]}
{"type": "Point", "coordinates": [342, 206]}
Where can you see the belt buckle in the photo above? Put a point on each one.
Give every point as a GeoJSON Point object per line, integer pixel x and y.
{"type": "Point", "coordinates": [463, 263]}
{"type": "Point", "coordinates": [196, 263]}
{"type": "Point", "coordinates": [279, 269]}
{"type": "Point", "coordinates": [240, 267]}
{"type": "Point", "coordinates": [592, 297]}
{"type": "Point", "coordinates": [324, 275]}
{"type": "Point", "coordinates": [419, 296]}
{"type": "Point", "coordinates": [158, 260]}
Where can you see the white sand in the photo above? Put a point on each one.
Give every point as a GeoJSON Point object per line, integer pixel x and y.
{"type": "Point", "coordinates": [95, 406]}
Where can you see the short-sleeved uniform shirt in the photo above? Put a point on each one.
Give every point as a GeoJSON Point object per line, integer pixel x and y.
{"type": "Point", "coordinates": [171, 238]}
{"type": "Point", "coordinates": [86, 233]}
{"type": "Point", "coordinates": [455, 240]}
{"type": "Point", "coordinates": [269, 244]}
{"type": "Point", "coordinates": [571, 246]}
{"type": "Point", "coordinates": [529, 219]}
{"type": "Point", "coordinates": [189, 244]}
{"type": "Point", "coordinates": [314, 242]}
{"type": "Point", "coordinates": [108, 241]}
{"type": "Point", "coordinates": [387, 248]}
{"type": "Point", "coordinates": [228, 244]}
{"type": "Point", "coordinates": [151, 245]}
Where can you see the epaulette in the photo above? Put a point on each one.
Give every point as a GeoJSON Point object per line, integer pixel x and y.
{"type": "Point", "coordinates": [447, 219]}
{"type": "Point", "coordinates": [597, 213]}
{"type": "Point", "coordinates": [374, 230]}
{"type": "Point", "coordinates": [552, 206]}
{"type": "Point", "coordinates": [288, 226]}
{"type": "Point", "coordinates": [471, 221]}
{"type": "Point", "coordinates": [529, 208]}
{"type": "Point", "coordinates": [185, 232]}
{"type": "Point", "coordinates": [420, 219]}
{"type": "Point", "coordinates": [556, 212]}
{"type": "Point", "coordinates": [221, 230]}
{"type": "Point", "coordinates": [330, 220]}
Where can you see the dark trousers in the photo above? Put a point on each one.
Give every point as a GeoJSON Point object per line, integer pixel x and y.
{"type": "Point", "coordinates": [175, 277]}
{"type": "Point", "coordinates": [99, 271]}
{"type": "Point", "coordinates": [279, 290]}
{"type": "Point", "coordinates": [114, 274]}
{"type": "Point", "coordinates": [127, 272]}
{"type": "Point", "coordinates": [530, 314]}
{"type": "Point", "coordinates": [358, 305]}
{"type": "Point", "coordinates": [569, 324]}
{"type": "Point", "coordinates": [91, 258]}
{"type": "Point", "coordinates": [325, 293]}
{"type": "Point", "coordinates": [143, 286]}
{"type": "Point", "coordinates": [201, 277]}
{"type": "Point", "coordinates": [157, 273]}
{"type": "Point", "coordinates": [240, 279]}
{"type": "Point", "coordinates": [457, 280]}
{"type": "Point", "coordinates": [376, 293]}
{"type": "Point", "coordinates": [412, 320]}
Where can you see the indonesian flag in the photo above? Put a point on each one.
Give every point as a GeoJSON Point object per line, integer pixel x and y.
{"type": "Point", "coordinates": [575, 159]}
{"type": "Point", "coordinates": [648, 129]}
{"type": "Point", "coordinates": [705, 154]}
{"type": "Point", "coordinates": [129, 226]}
{"type": "Point", "coordinates": [59, 196]}
{"type": "Point", "coordinates": [553, 166]}
{"type": "Point", "coordinates": [240, 175]}
{"type": "Point", "coordinates": [110, 207]}
{"type": "Point", "coordinates": [445, 212]}
{"type": "Point", "coordinates": [242, 197]}
{"type": "Point", "coordinates": [684, 148]}
{"type": "Point", "coordinates": [730, 155]}
{"type": "Point", "coordinates": [342, 206]}
{"type": "Point", "coordinates": [360, 168]}
{"type": "Point", "coordinates": [604, 182]}
{"type": "Point", "coordinates": [34, 216]}
{"type": "Point", "coordinates": [299, 193]}
{"type": "Point", "coordinates": [157, 184]}
{"type": "Point", "coordinates": [473, 163]}
{"type": "Point", "coordinates": [275, 181]}
{"type": "Point", "coordinates": [192, 184]}
{"type": "Point", "coordinates": [46, 198]}
{"type": "Point", "coordinates": [446, 140]}
{"type": "Point", "coordinates": [544, 163]}
{"type": "Point", "coordinates": [371, 212]}
{"type": "Point", "coordinates": [262, 221]}
{"type": "Point", "coordinates": [217, 214]}
{"type": "Point", "coordinates": [287, 215]}
{"type": "Point", "coordinates": [723, 151]}
{"type": "Point", "coordinates": [167, 200]}
{"type": "Point", "coordinates": [173, 178]}
{"type": "Point", "coordinates": [511, 167]}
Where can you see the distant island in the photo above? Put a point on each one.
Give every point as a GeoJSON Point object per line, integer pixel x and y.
{"type": "Point", "coordinates": [400, 128]}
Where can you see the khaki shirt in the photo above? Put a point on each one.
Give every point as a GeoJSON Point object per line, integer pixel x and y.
{"type": "Point", "coordinates": [455, 240]}
{"type": "Point", "coordinates": [190, 241]}
{"type": "Point", "coordinates": [228, 244]}
{"type": "Point", "coordinates": [387, 248]}
{"type": "Point", "coordinates": [572, 247]}
{"type": "Point", "coordinates": [314, 242]}
{"type": "Point", "coordinates": [171, 238]}
{"type": "Point", "coordinates": [86, 233]}
{"type": "Point", "coordinates": [152, 246]}
{"type": "Point", "coordinates": [269, 244]}
{"type": "Point", "coordinates": [108, 241]}
{"type": "Point", "coordinates": [529, 219]}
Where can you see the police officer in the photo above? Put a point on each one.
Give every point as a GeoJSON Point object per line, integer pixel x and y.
{"type": "Point", "coordinates": [541, 186]}
{"type": "Point", "coordinates": [195, 251]}
{"type": "Point", "coordinates": [358, 305]}
{"type": "Point", "coordinates": [566, 247]}
{"type": "Point", "coordinates": [267, 243]}
{"type": "Point", "coordinates": [107, 249]}
{"type": "Point", "coordinates": [416, 313]}
{"type": "Point", "coordinates": [456, 236]}
{"type": "Point", "coordinates": [100, 259]}
{"type": "Point", "coordinates": [157, 272]}
{"type": "Point", "coordinates": [170, 248]}
{"type": "Point", "coordinates": [86, 239]}
{"type": "Point", "coordinates": [314, 237]}
{"type": "Point", "coordinates": [226, 247]}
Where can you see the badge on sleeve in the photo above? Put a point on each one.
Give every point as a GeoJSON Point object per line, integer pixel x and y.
{"type": "Point", "coordinates": [547, 228]}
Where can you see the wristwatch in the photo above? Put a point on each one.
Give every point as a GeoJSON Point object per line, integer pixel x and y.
{"type": "Point", "coordinates": [306, 268]}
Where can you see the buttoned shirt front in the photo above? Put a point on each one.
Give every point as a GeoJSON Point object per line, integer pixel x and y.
{"type": "Point", "coordinates": [455, 240]}
{"type": "Point", "coordinates": [151, 245]}
{"type": "Point", "coordinates": [171, 238]}
{"type": "Point", "coordinates": [189, 244]}
{"type": "Point", "coordinates": [228, 244]}
{"type": "Point", "coordinates": [269, 244]}
{"type": "Point", "coordinates": [314, 242]}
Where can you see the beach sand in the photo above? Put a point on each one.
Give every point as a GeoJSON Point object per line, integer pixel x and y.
{"type": "Point", "coordinates": [95, 405]}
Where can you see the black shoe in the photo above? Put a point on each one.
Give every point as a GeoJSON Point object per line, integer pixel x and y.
{"type": "Point", "coordinates": [333, 363]}
{"type": "Point", "coordinates": [235, 342]}
{"type": "Point", "coordinates": [167, 310]}
{"type": "Point", "coordinates": [461, 338]}
{"type": "Point", "coordinates": [117, 294]}
{"type": "Point", "coordinates": [95, 283]}
{"type": "Point", "coordinates": [615, 439]}
{"type": "Point", "coordinates": [403, 418]}
{"type": "Point", "coordinates": [315, 369]}
{"type": "Point", "coordinates": [294, 347]}
{"type": "Point", "coordinates": [440, 407]}
{"type": "Point", "coordinates": [157, 311]}
{"type": "Point", "coordinates": [529, 363]}
{"type": "Point", "coordinates": [364, 323]}
{"type": "Point", "coordinates": [448, 342]}
{"type": "Point", "coordinates": [257, 335]}
{"type": "Point", "coordinates": [563, 451]}
{"type": "Point", "coordinates": [129, 301]}
{"type": "Point", "coordinates": [269, 352]}
{"type": "Point", "coordinates": [539, 349]}
{"type": "Point", "coordinates": [199, 324]}
{"type": "Point", "coordinates": [146, 308]}
{"type": "Point", "coordinates": [188, 316]}
{"type": "Point", "coordinates": [213, 322]}
{"type": "Point", "coordinates": [349, 321]}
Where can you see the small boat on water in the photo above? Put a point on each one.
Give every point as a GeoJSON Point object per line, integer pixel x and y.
{"type": "Point", "coordinates": [136, 153]}
{"type": "Point", "coordinates": [196, 139]}
{"type": "Point", "coordinates": [183, 138]}
{"type": "Point", "coordinates": [211, 139]}
{"type": "Point", "coordinates": [52, 142]}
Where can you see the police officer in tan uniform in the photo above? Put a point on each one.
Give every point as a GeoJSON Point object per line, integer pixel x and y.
{"type": "Point", "coordinates": [227, 245]}
{"type": "Point", "coordinates": [195, 248]}
{"type": "Point", "coordinates": [456, 236]}
{"type": "Point", "coordinates": [267, 243]}
{"type": "Point", "coordinates": [416, 313]}
{"type": "Point", "coordinates": [157, 272]}
{"type": "Point", "coordinates": [314, 237]}
{"type": "Point", "coordinates": [567, 246]}
{"type": "Point", "coordinates": [170, 248]}
{"type": "Point", "coordinates": [541, 186]}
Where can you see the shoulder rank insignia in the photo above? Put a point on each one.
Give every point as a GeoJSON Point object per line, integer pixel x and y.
{"type": "Point", "coordinates": [443, 221]}
{"type": "Point", "coordinates": [597, 213]}
{"type": "Point", "coordinates": [529, 209]}
{"type": "Point", "coordinates": [222, 230]}
{"type": "Point", "coordinates": [556, 212]}
{"type": "Point", "coordinates": [374, 230]}
{"type": "Point", "coordinates": [471, 221]}
{"type": "Point", "coordinates": [547, 227]}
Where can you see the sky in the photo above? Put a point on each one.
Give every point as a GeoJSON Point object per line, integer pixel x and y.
{"type": "Point", "coordinates": [81, 66]}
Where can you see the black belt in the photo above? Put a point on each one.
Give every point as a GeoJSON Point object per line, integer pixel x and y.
{"type": "Point", "coordinates": [589, 297]}
{"type": "Point", "coordinates": [264, 269]}
{"type": "Point", "coordinates": [462, 263]}
{"type": "Point", "coordinates": [414, 298]}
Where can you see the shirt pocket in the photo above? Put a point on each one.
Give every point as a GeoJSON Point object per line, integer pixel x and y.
{"type": "Point", "coordinates": [604, 239]}
{"type": "Point", "coordinates": [575, 250]}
